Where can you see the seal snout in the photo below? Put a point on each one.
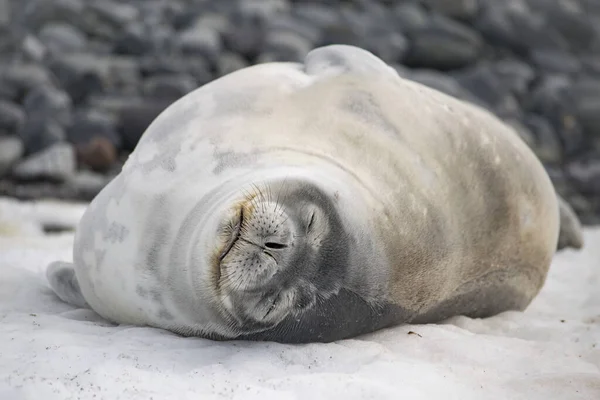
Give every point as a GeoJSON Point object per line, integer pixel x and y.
{"type": "Point", "coordinates": [260, 239]}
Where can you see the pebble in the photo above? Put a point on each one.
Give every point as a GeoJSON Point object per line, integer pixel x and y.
{"type": "Point", "coordinates": [555, 62]}
{"type": "Point", "coordinates": [59, 38]}
{"type": "Point", "coordinates": [12, 117]}
{"type": "Point", "coordinates": [169, 86]}
{"type": "Point", "coordinates": [460, 9]}
{"type": "Point", "coordinates": [99, 153]}
{"type": "Point", "coordinates": [585, 174]}
{"type": "Point", "coordinates": [39, 133]}
{"type": "Point", "coordinates": [443, 44]}
{"type": "Point", "coordinates": [586, 101]}
{"type": "Point", "coordinates": [86, 185]}
{"type": "Point", "coordinates": [18, 79]}
{"type": "Point", "coordinates": [11, 150]}
{"type": "Point", "coordinates": [55, 163]}
{"type": "Point", "coordinates": [133, 120]}
{"type": "Point", "coordinates": [547, 143]}
{"type": "Point", "coordinates": [284, 46]}
{"type": "Point", "coordinates": [90, 123]}
{"type": "Point", "coordinates": [515, 75]}
{"type": "Point", "coordinates": [5, 11]}
{"type": "Point", "coordinates": [82, 74]}
{"type": "Point", "coordinates": [230, 62]}
{"type": "Point", "coordinates": [439, 81]}
{"type": "Point", "coordinates": [482, 81]}
{"type": "Point", "coordinates": [49, 103]}
{"type": "Point", "coordinates": [514, 25]}
{"type": "Point", "coordinates": [200, 40]}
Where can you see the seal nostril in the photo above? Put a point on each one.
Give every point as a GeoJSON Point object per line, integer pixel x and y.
{"type": "Point", "coordinates": [275, 245]}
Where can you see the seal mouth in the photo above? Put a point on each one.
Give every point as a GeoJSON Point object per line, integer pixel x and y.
{"type": "Point", "coordinates": [235, 236]}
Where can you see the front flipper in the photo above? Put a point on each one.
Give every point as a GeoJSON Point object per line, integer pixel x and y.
{"type": "Point", "coordinates": [62, 279]}
{"type": "Point", "coordinates": [571, 232]}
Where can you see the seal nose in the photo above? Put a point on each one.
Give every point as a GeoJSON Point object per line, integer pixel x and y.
{"type": "Point", "coordinates": [260, 245]}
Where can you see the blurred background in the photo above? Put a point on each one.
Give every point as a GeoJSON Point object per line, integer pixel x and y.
{"type": "Point", "coordinates": [80, 80]}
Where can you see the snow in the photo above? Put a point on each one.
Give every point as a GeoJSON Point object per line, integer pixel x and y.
{"type": "Point", "coordinates": [50, 350]}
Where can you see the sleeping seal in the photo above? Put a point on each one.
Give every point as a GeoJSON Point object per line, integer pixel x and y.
{"type": "Point", "coordinates": [316, 202]}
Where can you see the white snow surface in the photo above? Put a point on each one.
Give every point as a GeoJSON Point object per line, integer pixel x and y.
{"type": "Point", "coordinates": [50, 350]}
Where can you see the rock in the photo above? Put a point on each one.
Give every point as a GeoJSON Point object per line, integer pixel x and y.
{"type": "Point", "coordinates": [12, 116]}
{"type": "Point", "coordinates": [514, 75]}
{"type": "Point", "coordinates": [287, 23]}
{"type": "Point", "coordinates": [33, 49]}
{"type": "Point", "coordinates": [385, 43]}
{"type": "Point", "coordinates": [317, 15]}
{"type": "Point", "coordinates": [112, 105]}
{"type": "Point", "coordinates": [245, 37]}
{"type": "Point", "coordinates": [553, 61]}
{"type": "Point", "coordinates": [553, 98]}
{"type": "Point", "coordinates": [116, 13]}
{"type": "Point", "coordinates": [443, 44]}
{"type": "Point", "coordinates": [585, 174]}
{"type": "Point", "coordinates": [481, 81]}
{"type": "Point", "coordinates": [82, 74]}
{"type": "Point", "coordinates": [459, 9]}
{"type": "Point", "coordinates": [369, 28]}
{"type": "Point", "coordinates": [5, 14]}
{"type": "Point", "coordinates": [61, 38]}
{"type": "Point", "coordinates": [105, 19]}
{"type": "Point", "coordinates": [133, 120]}
{"type": "Point", "coordinates": [585, 95]}
{"type": "Point", "coordinates": [37, 190]}
{"type": "Point", "coordinates": [200, 40]}
{"type": "Point", "coordinates": [56, 163]}
{"type": "Point", "coordinates": [43, 12]}
{"type": "Point", "coordinates": [513, 24]}
{"type": "Point", "coordinates": [591, 64]}
{"type": "Point", "coordinates": [284, 46]}
{"type": "Point", "coordinates": [99, 153]}
{"type": "Point", "coordinates": [38, 133]}
{"type": "Point", "coordinates": [410, 16]}
{"type": "Point", "coordinates": [546, 93]}
{"type": "Point", "coordinates": [264, 9]}
{"type": "Point", "coordinates": [569, 19]}
{"type": "Point", "coordinates": [195, 66]}
{"type": "Point", "coordinates": [135, 41]}
{"type": "Point", "coordinates": [523, 131]}
{"type": "Point", "coordinates": [11, 150]}
{"type": "Point", "coordinates": [19, 79]}
{"type": "Point", "coordinates": [49, 103]}
{"type": "Point", "coordinates": [439, 81]}
{"type": "Point", "coordinates": [92, 123]}
{"type": "Point", "coordinates": [87, 184]}
{"type": "Point", "coordinates": [229, 62]}
{"type": "Point", "coordinates": [547, 143]}
{"type": "Point", "coordinates": [169, 86]}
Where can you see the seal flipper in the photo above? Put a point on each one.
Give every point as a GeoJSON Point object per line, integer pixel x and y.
{"type": "Point", "coordinates": [62, 279]}
{"type": "Point", "coordinates": [571, 232]}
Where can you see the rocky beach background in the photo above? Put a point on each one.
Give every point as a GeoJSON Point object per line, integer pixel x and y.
{"type": "Point", "coordinates": [80, 80]}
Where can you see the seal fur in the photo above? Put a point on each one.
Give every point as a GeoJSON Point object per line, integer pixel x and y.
{"type": "Point", "coordinates": [316, 202]}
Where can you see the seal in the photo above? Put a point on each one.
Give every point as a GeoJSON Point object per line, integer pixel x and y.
{"type": "Point", "coordinates": [316, 201]}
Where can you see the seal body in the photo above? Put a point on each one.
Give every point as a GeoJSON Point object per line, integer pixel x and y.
{"type": "Point", "coordinates": [315, 202]}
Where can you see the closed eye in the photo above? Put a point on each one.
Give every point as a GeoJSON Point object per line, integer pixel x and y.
{"type": "Point", "coordinates": [275, 245]}
{"type": "Point", "coordinates": [310, 223]}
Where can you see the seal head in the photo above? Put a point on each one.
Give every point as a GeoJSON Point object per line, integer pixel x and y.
{"type": "Point", "coordinates": [281, 248]}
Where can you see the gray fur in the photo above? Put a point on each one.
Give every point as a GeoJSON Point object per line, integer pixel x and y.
{"type": "Point", "coordinates": [571, 233]}
{"type": "Point", "coordinates": [63, 281]}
